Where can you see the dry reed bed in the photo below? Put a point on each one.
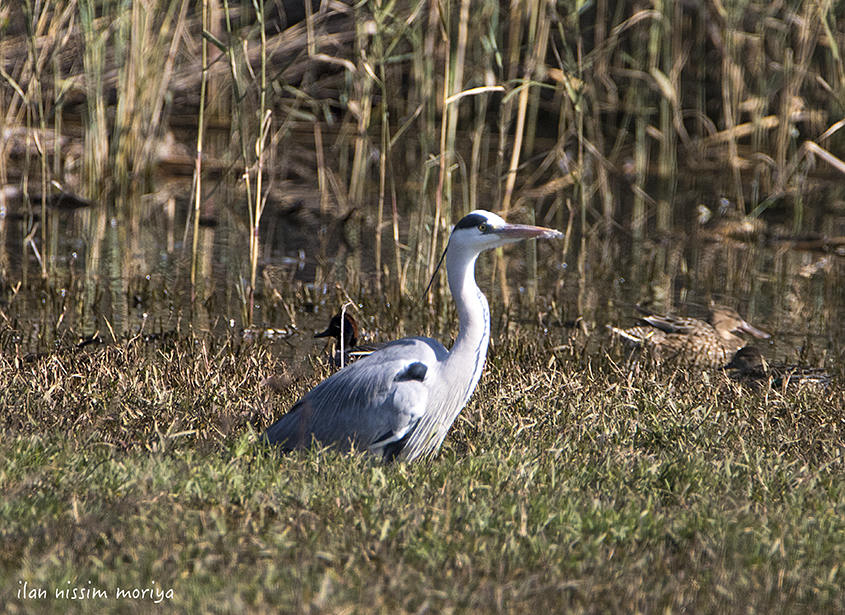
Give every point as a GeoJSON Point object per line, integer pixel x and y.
{"type": "Point", "coordinates": [530, 105]}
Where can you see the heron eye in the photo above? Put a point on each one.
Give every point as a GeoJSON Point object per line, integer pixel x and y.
{"type": "Point", "coordinates": [483, 227]}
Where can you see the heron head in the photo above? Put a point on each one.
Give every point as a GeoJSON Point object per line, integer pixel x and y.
{"type": "Point", "coordinates": [482, 230]}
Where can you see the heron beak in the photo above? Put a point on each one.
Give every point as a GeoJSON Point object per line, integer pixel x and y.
{"type": "Point", "coordinates": [518, 232]}
{"type": "Point", "coordinates": [750, 330]}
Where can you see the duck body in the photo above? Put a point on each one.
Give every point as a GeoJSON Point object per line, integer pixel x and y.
{"type": "Point", "coordinates": [690, 342]}
{"type": "Point", "coordinates": [748, 366]}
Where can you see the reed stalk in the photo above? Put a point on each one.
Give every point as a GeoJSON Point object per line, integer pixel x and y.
{"type": "Point", "coordinates": [580, 116]}
{"type": "Point", "coordinates": [265, 125]}
{"type": "Point", "coordinates": [6, 104]}
{"type": "Point", "coordinates": [732, 92]}
{"type": "Point", "coordinates": [523, 89]}
{"type": "Point", "coordinates": [36, 17]}
{"type": "Point", "coordinates": [61, 36]}
{"type": "Point", "coordinates": [4, 179]}
{"type": "Point", "coordinates": [572, 122]}
{"type": "Point", "coordinates": [424, 70]}
{"type": "Point", "coordinates": [451, 112]}
{"type": "Point", "coordinates": [386, 167]}
{"type": "Point", "coordinates": [322, 171]}
{"type": "Point", "coordinates": [388, 31]}
{"type": "Point", "coordinates": [533, 11]}
{"type": "Point", "coordinates": [531, 281]}
{"type": "Point", "coordinates": [96, 35]}
{"type": "Point", "coordinates": [480, 145]}
{"type": "Point", "coordinates": [639, 106]}
{"type": "Point", "coordinates": [384, 149]}
{"type": "Point", "coordinates": [836, 74]}
{"type": "Point", "coordinates": [481, 132]}
{"type": "Point", "coordinates": [539, 48]}
{"type": "Point", "coordinates": [665, 50]}
{"type": "Point", "coordinates": [516, 16]}
{"type": "Point", "coordinates": [361, 107]}
{"type": "Point", "coordinates": [444, 174]}
{"type": "Point", "coordinates": [206, 9]}
{"type": "Point", "coordinates": [95, 161]}
{"type": "Point", "coordinates": [240, 126]}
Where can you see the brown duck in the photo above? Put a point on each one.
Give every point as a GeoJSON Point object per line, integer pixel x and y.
{"type": "Point", "coordinates": [690, 341]}
{"type": "Point", "coordinates": [749, 367]}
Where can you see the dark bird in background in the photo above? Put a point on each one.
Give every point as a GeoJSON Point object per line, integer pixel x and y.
{"type": "Point", "coordinates": [344, 328]}
{"type": "Point", "coordinates": [748, 366]}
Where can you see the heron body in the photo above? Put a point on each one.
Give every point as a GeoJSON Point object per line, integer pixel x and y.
{"type": "Point", "coordinates": [400, 401]}
{"type": "Point", "coordinates": [690, 341]}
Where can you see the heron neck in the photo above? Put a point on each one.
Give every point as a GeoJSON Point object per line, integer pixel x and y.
{"type": "Point", "coordinates": [470, 348]}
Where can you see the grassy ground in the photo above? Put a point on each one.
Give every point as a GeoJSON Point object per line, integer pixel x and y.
{"type": "Point", "coordinates": [564, 487]}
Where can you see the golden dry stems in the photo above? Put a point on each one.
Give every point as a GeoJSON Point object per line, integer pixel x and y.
{"type": "Point", "coordinates": [197, 184]}
{"type": "Point", "coordinates": [701, 85]}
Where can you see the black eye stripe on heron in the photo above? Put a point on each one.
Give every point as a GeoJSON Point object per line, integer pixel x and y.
{"type": "Point", "coordinates": [470, 220]}
{"type": "Point", "coordinates": [400, 401]}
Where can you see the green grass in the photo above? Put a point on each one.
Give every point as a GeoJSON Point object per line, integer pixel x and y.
{"type": "Point", "coordinates": [568, 489]}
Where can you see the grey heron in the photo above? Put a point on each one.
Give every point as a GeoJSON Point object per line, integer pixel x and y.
{"type": "Point", "coordinates": [400, 401]}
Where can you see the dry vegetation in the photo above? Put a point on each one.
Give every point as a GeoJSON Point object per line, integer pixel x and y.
{"type": "Point", "coordinates": [570, 483]}
{"type": "Point", "coordinates": [573, 488]}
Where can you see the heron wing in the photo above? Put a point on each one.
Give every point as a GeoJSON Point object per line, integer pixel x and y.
{"type": "Point", "coordinates": [372, 403]}
{"type": "Point", "coordinates": [407, 404]}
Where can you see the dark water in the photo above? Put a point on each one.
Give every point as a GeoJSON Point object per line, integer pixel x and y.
{"type": "Point", "coordinates": [124, 274]}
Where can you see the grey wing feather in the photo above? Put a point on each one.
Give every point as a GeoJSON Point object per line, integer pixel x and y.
{"type": "Point", "coordinates": [369, 404]}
